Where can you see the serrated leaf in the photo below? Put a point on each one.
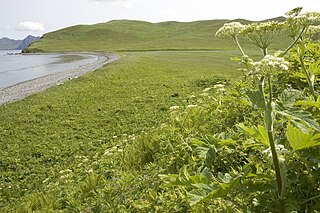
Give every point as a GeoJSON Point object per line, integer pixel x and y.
{"type": "Point", "coordinates": [207, 173]}
{"type": "Point", "coordinates": [288, 97]}
{"type": "Point", "coordinates": [183, 175]}
{"type": "Point", "coordinates": [197, 142]}
{"type": "Point", "coordinates": [227, 142]}
{"type": "Point", "coordinates": [259, 134]}
{"type": "Point", "coordinates": [225, 178]}
{"type": "Point", "coordinates": [315, 68]}
{"type": "Point", "coordinates": [296, 114]}
{"type": "Point", "coordinates": [263, 135]}
{"type": "Point", "coordinates": [196, 195]}
{"type": "Point", "coordinates": [300, 140]}
{"type": "Point", "coordinates": [202, 152]}
{"type": "Point", "coordinates": [198, 179]}
{"type": "Point", "coordinates": [206, 191]}
{"type": "Point", "coordinates": [256, 99]}
{"type": "Point", "coordinates": [308, 103]}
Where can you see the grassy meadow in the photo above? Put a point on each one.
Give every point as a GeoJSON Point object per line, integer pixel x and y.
{"type": "Point", "coordinates": [47, 132]}
{"type": "Point", "coordinates": [166, 128]}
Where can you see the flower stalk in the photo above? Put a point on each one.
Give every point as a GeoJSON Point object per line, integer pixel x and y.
{"type": "Point", "coordinates": [309, 78]}
{"type": "Point", "coordinates": [268, 120]}
{"type": "Point", "coordinates": [293, 43]}
{"type": "Point", "coordinates": [266, 68]}
{"type": "Point", "coordinates": [235, 38]}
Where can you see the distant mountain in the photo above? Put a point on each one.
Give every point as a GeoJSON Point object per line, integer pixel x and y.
{"type": "Point", "coordinates": [11, 44]}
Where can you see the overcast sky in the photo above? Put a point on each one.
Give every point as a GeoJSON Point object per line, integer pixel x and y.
{"type": "Point", "coordinates": [19, 18]}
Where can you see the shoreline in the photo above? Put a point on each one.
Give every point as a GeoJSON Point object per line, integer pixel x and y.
{"type": "Point", "coordinates": [27, 88]}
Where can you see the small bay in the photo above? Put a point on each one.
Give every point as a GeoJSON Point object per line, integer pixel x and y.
{"type": "Point", "coordinates": [16, 68]}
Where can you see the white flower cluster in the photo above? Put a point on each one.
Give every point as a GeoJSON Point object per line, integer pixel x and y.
{"type": "Point", "coordinates": [280, 149]}
{"type": "Point", "coordinates": [270, 64]}
{"type": "Point", "coordinates": [191, 106]}
{"type": "Point", "coordinates": [313, 30]}
{"type": "Point", "coordinates": [257, 28]}
{"type": "Point", "coordinates": [230, 29]}
{"type": "Point", "coordinates": [174, 107]}
{"type": "Point", "coordinates": [308, 18]}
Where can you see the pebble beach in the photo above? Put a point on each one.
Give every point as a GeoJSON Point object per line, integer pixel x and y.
{"type": "Point", "coordinates": [25, 89]}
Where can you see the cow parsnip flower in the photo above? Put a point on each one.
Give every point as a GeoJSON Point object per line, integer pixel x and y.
{"type": "Point", "coordinates": [313, 30]}
{"type": "Point", "coordinates": [281, 150]}
{"type": "Point", "coordinates": [308, 18]}
{"type": "Point", "coordinates": [269, 65]}
{"type": "Point", "coordinates": [263, 27]}
{"type": "Point", "coordinates": [230, 30]}
{"type": "Point", "coordinates": [261, 34]}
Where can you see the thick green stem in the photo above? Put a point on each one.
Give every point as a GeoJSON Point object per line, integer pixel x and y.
{"type": "Point", "coordinates": [281, 193]}
{"type": "Point", "coordinates": [260, 87]}
{"type": "Point", "coordinates": [293, 43]}
{"type": "Point", "coordinates": [310, 83]}
{"type": "Point", "coordinates": [235, 38]}
{"type": "Point", "coordinates": [268, 120]}
{"type": "Point", "coordinates": [264, 51]}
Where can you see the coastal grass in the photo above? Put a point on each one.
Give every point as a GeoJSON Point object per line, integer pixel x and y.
{"type": "Point", "coordinates": [46, 133]}
{"type": "Point", "coordinates": [129, 35]}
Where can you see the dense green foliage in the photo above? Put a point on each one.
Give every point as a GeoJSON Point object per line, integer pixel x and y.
{"type": "Point", "coordinates": [174, 132]}
{"type": "Point", "coordinates": [124, 35]}
{"type": "Point", "coordinates": [58, 129]}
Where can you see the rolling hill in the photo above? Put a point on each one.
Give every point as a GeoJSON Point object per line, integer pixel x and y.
{"type": "Point", "coordinates": [129, 35]}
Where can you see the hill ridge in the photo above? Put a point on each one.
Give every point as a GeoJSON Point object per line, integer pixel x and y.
{"type": "Point", "coordinates": [131, 35]}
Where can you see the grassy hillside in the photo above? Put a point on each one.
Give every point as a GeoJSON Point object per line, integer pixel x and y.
{"type": "Point", "coordinates": [126, 35]}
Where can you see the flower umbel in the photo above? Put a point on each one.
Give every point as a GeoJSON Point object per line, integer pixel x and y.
{"type": "Point", "coordinates": [308, 18]}
{"type": "Point", "coordinates": [313, 30]}
{"type": "Point", "coordinates": [262, 34]}
{"type": "Point", "coordinates": [270, 64]}
{"type": "Point", "coordinates": [230, 30]}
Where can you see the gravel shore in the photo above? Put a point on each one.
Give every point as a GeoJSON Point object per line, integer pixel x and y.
{"type": "Point", "coordinates": [24, 89]}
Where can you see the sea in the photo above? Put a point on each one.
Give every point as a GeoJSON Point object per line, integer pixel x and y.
{"type": "Point", "coordinates": [16, 67]}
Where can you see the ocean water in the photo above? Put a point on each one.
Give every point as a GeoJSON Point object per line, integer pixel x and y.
{"type": "Point", "coordinates": [16, 68]}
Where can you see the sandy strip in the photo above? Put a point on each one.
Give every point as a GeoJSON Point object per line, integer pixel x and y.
{"type": "Point", "coordinates": [24, 89]}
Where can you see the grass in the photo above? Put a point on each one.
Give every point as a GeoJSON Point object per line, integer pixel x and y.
{"type": "Point", "coordinates": [49, 132]}
{"type": "Point", "coordinates": [126, 35]}
{"type": "Point", "coordinates": [45, 133]}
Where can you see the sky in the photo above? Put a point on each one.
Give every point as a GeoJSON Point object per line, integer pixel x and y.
{"type": "Point", "coordinates": [19, 18]}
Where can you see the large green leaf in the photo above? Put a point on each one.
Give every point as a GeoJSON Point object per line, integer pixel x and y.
{"type": "Point", "coordinates": [300, 140]}
{"type": "Point", "coordinates": [301, 118]}
{"type": "Point", "coordinates": [256, 98]}
{"type": "Point", "coordinates": [259, 134]}
{"type": "Point", "coordinates": [289, 97]}
{"type": "Point", "coordinates": [211, 191]}
{"type": "Point", "coordinates": [308, 103]}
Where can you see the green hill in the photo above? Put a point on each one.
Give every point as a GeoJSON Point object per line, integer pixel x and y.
{"type": "Point", "coordinates": [128, 35]}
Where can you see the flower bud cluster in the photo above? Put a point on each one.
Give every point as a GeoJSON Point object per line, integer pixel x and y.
{"type": "Point", "coordinates": [280, 149]}
{"type": "Point", "coordinates": [270, 64]}
{"type": "Point", "coordinates": [313, 30]}
{"type": "Point", "coordinates": [256, 28]}
{"type": "Point", "coordinates": [308, 18]}
{"type": "Point", "coordinates": [230, 29]}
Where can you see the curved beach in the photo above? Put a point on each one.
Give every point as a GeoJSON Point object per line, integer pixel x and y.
{"type": "Point", "coordinates": [24, 89]}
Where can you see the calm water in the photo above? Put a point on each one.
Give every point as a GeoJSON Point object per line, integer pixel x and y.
{"type": "Point", "coordinates": [18, 68]}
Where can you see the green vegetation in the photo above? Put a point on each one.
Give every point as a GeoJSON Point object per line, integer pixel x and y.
{"type": "Point", "coordinates": [125, 35]}
{"type": "Point", "coordinates": [173, 131]}
{"type": "Point", "coordinates": [55, 130]}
